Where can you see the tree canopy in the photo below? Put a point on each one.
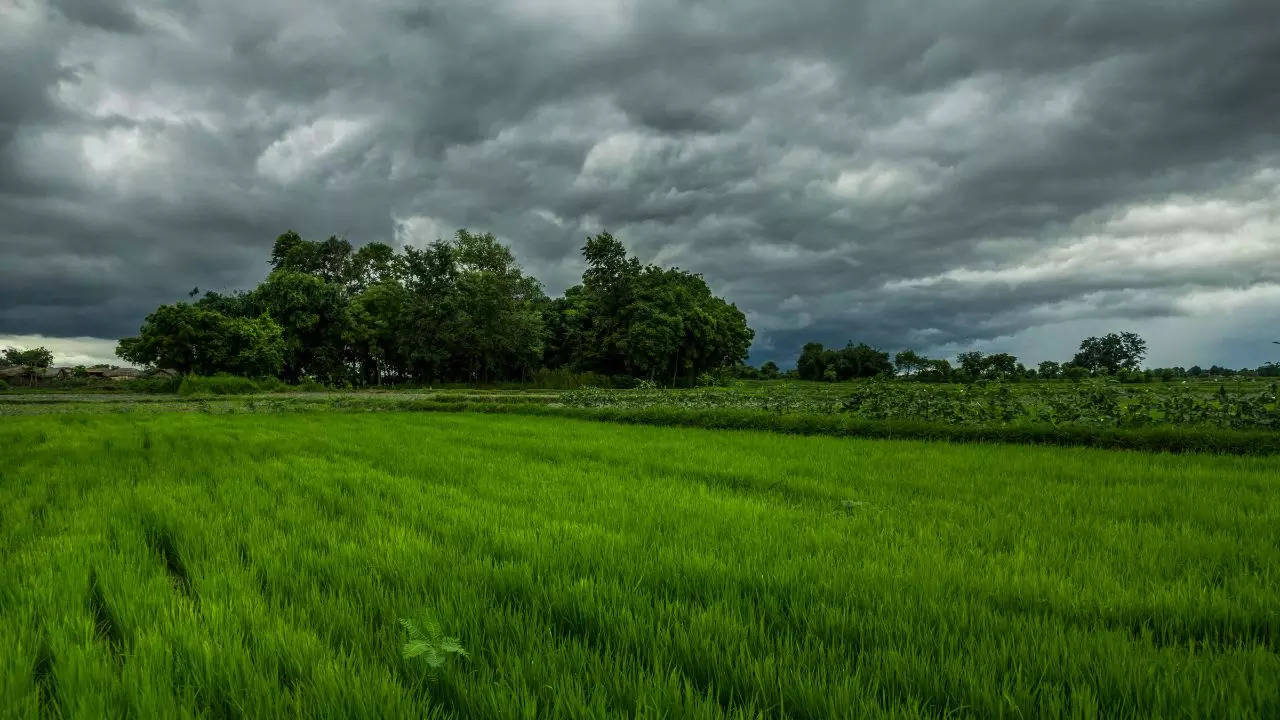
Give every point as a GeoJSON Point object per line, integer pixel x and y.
{"type": "Point", "coordinates": [1111, 353]}
{"type": "Point", "coordinates": [642, 320]}
{"type": "Point", "coordinates": [39, 357]}
{"type": "Point", "coordinates": [457, 310]}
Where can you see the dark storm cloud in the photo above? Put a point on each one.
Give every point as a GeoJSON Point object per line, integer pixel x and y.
{"type": "Point", "coordinates": [870, 171]}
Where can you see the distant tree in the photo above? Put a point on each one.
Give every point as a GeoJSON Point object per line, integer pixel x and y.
{"type": "Point", "coordinates": [1074, 372]}
{"type": "Point", "coordinates": [1111, 353]}
{"type": "Point", "coordinates": [935, 371]}
{"type": "Point", "coordinates": [38, 357]}
{"type": "Point", "coordinates": [999, 365]}
{"type": "Point", "coordinates": [1050, 370]}
{"type": "Point", "coordinates": [971, 363]}
{"type": "Point", "coordinates": [812, 363]}
{"type": "Point", "coordinates": [908, 362]}
{"type": "Point", "coordinates": [769, 370]}
{"type": "Point", "coordinates": [1195, 371]}
{"type": "Point", "coordinates": [459, 309]}
{"type": "Point", "coordinates": [861, 361]}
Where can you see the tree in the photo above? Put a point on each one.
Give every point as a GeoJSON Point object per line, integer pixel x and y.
{"type": "Point", "coordinates": [192, 339]}
{"type": "Point", "coordinates": [999, 366]}
{"type": "Point", "coordinates": [1111, 353]}
{"type": "Point", "coordinates": [327, 260]}
{"type": "Point", "coordinates": [460, 309]}
{"type": "Point", "coordinates": [1050, 370]}
{"type": "Point", "coordinates": [971, 363]}
{"type": "Point", "coordinates": [908, 362]}
{"type": "Point", "coordinates": [812, 362]}
{"type": "Point", "coordinates": [38, 357]}
{"type": "Point", "coordinates": [860, 361]}
{"type": "Point", "coordinates": [502, 311]}
{"type": "Point", "coordinates": [313, 317]}
{"type": "Point", "coordinates": [663, 324]}
{"type": "Point", "coordinates": [769, 370]}
{"type": "Point", "coordinates": [935, 371]}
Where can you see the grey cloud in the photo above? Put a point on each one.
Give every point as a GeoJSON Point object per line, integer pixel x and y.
{"type": "Point", "coordinates": [835, 152]}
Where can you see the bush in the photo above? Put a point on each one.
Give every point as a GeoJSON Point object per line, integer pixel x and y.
{"type": "Point", "coordinates": [4, 385]}
{"type": "Point", "coordinates": [222, 384]}
{"type": "Point", "coordinates": [566, 379]}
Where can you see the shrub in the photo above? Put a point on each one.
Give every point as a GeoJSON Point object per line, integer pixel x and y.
{"type": "Point", "coordinates": [566, 379]}
{"type": "Point", "coordinates": [4, 385]}
{"type": "Point", "coordinates": [220, 384]}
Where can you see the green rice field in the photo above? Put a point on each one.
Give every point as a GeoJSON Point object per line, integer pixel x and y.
{"type": "Point", "coordinates": [257, 565]}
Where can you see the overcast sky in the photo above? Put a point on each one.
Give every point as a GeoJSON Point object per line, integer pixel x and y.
{"type": "Point", "coordinates": [1009, 176]}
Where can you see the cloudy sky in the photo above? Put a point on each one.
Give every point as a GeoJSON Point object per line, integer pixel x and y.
{"type": "Point", "coordinates": [1009, 176]}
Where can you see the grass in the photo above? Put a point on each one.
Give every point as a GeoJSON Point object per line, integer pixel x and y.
{"type": "Point", "coordinates": [254, 565]}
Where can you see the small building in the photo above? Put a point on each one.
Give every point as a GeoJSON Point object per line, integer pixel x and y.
{"type": "Point", "coordinates": [119, 374]}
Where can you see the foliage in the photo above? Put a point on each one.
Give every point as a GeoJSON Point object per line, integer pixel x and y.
{"type": "Point", "coordinates": [642, 321]}
{"type": "Point", "coordinates": [426, 641]}
{"type": "Point", "coordinates": [224, 384]}
{"type": "Point", "coordinates": [460, 310]}
{"type": "Point", "coordinates": [1111, 353]}
{"type": "Point", "coordinates": [38, 357]}
{"type": "Point", "coordinates": [194, 339]}
{"type": "Point", "coordinates": [847, 363]}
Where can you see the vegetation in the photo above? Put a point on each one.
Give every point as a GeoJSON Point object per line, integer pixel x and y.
{"type": "Point", "coordinates": [457, 311]}
{"type": "Point", "coordinates": [167, 565]}
{"type": "Point", "coordinates": [39, 357]}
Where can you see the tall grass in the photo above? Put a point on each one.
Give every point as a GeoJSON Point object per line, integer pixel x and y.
{"type": "Point", "coordinates": [178, 565]}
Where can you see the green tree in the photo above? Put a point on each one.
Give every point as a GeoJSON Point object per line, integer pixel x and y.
{"type": "Point", "coordinates": [1050, 370]}
{"type": "Point", "coordinates": [313, 316]}
{"type": "Point", "coordinates": [502, 326]}
{"type": "Point", "coordinates": [908, 362]}
{"type": "Point", "coordinates": [1111, 353]}
{"type": "Point", "coordinates": [971, 363]}
{"type": "Point", "coordinates": [999, 366]}
{"type": "Point", "coordinates": [192, 339]}
{"type": "Point", "coordinates": [812, 363]}
{"type": "Point", "coordinates": [38, 357]}
{"type": "Point", "coordinates": [642, 321]}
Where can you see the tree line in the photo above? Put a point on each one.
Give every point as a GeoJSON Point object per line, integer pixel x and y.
{"type": "Point", "coordinates": [458, 310]}
{"type": "Point", "coordinates": [1117, 355]}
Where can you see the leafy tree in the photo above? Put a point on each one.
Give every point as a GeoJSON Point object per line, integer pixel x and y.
{"type": "Point", "coordinates": [327, 260]}
{"type": "Point", "coordinates": [642, 321]}
{"type": "Point", "coordinates": [312, 314]}
{"type": "Point", "coordinates": [192, 339]}
{"type": "Point", "coordinates": [860, 361]}
{"type": "Point", "coordinates": [812, 363]}
{"type": "Point", "coordinates": [971, 363]}
{"type": "Point", "coordinates": [999, 365]}
{"type": "Point", "coordinates": [1050, 370]}
{"type": "Point", "coordinates": [375, 331]}
{"type": "Point", "coordinates": [461, 309]}
{"type": "Point", "coordinates": [501, 328]}
{"type": "Point", "coordinates": [909, 363]}
{"type": "Point", "coordinates": [1111, 353]}
{"type": "Point", "coordinates": [1074, 372]}
{"type": "Point", "coordinates": [769, 370]}
{"type": "Point", "coordinates": [935, 371]}
{"type": "Point", "coordinates": [39, 357]}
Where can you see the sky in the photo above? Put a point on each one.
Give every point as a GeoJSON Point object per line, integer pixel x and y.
{"type": "Point", "coordinates": [946, 175]}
